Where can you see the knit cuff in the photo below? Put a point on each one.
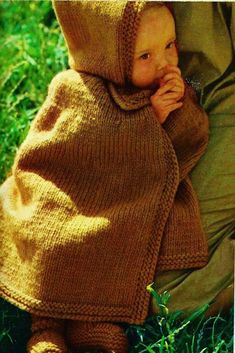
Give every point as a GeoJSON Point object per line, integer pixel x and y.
{"type": "Point", "coordinates": [108, 337]}
{"type": "Point", "coordinates": [47, 341]}
{"type": "Point", "coordinates": [40, 323]}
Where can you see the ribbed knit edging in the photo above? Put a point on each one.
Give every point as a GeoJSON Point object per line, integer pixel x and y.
{"type": "Point", "coordinates": [130, 24]}
{"type": "Point", "coordinates": [152, 250]}
{"type": "Point", "coordinates": [68, 311]}
{"type": "Point", "coordinates": [196, 255]}
{"type": "Point", "coordinates": [182, 262]}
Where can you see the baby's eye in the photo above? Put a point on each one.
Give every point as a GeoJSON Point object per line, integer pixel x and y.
{"type": "Point", "coordinates": [145, 56]}
{"type": "Point", "coordinates": [170, 45]}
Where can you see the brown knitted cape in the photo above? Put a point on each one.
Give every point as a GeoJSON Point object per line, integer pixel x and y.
{"type": "Point", "coordinates": [99, 195]}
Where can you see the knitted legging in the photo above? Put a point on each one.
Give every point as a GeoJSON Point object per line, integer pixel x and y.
{"type": "Point", "coordinates": [57, 336]}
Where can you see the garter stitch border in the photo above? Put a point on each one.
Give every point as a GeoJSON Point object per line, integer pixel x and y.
{"type": "Point", "coordinates": [131, 20]}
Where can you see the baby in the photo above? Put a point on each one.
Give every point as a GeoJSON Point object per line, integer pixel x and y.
{"type": "Point", "coordinates": [99, 197]}
{"type": "Point", "coordinates": [156, 60]}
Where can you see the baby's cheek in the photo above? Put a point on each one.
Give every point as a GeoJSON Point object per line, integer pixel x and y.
{"type": "Point", "coordinates": [143, 69]}
{"type": "Point", "coordinates": [173, 57]}
{"type": "Point", "coordinates": [142, 74]}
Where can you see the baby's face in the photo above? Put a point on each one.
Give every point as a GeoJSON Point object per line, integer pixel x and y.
{"type": "Point", "coordinates": [155, 47]}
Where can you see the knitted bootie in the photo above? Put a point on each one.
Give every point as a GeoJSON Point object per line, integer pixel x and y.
{"type": "Point", "coordinates": [106, 337]}
{"type": "Point", "coordinates": [47, 336]}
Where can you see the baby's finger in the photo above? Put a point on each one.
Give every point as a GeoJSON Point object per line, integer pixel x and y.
{"type": "Point", "coordinates": [163, 89]}
{"type": "Point", "coordinates": [178, 88]}
{"type": "Point", "coordinates": [173, 95]}
{"type": "Point", "coordinates": [162, 102]}
{"type": "Point", "coordinates": [167, 96]}
{"type": "Point", "coordinates": [172, 87]}
{"type": "Point", "coordinates": [174, 106]}
{"type": "Point", "coordinates": [170, 76]}
{"type": "Point", "coordinates": [169, 103]}
{"type": "Point", "coordinates": [171, 68]}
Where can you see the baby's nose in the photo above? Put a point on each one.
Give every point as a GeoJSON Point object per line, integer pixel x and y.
{"type": "Point", "coordinates": [160, 69]}
{"type": "Point", "coordinates": [161, 63]}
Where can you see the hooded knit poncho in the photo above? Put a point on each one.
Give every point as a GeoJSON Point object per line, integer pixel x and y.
{"type": "Point", "coordinates": [99, 196]}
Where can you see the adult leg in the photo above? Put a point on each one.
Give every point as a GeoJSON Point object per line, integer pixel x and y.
{"type": "Point", "coordinates": [223, 302]}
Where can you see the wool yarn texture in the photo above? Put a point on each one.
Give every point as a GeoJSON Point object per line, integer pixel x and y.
{"type": "Point", "coordinates": [100, 196]}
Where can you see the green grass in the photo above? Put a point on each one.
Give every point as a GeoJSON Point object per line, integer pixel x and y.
{"type": "Point", "coordinates": [14, 328]}
{"type": "Point", "coordinates": [170, 333]}
{"type": "Point", "coordinates": [32, 51]}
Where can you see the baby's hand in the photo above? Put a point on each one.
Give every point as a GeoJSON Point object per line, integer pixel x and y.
{"type": "Point", "coordinates": [171, 90]}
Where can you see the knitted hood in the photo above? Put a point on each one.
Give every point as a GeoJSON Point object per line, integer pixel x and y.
{"type": "Point", "coordinates": [100, 36]}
